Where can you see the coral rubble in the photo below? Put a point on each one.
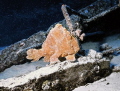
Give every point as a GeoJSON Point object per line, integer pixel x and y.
{"type": "Point", "coordinates": [59, 43]}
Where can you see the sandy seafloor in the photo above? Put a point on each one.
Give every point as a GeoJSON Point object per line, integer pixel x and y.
{"type": "Point", "coordinates": [110, 83]}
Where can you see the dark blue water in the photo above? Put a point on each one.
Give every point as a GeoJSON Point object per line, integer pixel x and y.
{"type": "Point", "coordinates": [21, 18]}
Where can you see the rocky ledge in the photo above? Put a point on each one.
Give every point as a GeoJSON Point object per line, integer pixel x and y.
{"type": "Point", "coordinates": [63, 76]}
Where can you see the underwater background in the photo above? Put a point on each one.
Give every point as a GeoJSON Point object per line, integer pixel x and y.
{"type": "Point", "coordinates": [19, 19]}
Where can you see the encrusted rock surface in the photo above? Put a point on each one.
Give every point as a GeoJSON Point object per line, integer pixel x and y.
{"type": "Point", "coordinates": [16, 53]}
{"type": "Point", "coordinates": [64, 76]}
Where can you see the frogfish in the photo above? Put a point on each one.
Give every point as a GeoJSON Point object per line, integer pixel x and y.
{"type": "Point", "coordinates": [58, 44]}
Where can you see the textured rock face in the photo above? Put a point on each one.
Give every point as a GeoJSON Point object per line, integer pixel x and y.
{"type": "Point", "coordinates": [16, 53]}
{"type": "Point", "coordinates": [59, 43]}
{"type": "Point", "coordinates": [64, 76]}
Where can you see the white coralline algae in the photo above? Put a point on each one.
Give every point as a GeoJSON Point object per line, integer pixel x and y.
{"type": "Point", "coordinates": [92, 56]}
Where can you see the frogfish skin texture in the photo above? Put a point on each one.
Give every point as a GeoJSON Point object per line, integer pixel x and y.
{"type": "Point", "coordinates": [59, 43]}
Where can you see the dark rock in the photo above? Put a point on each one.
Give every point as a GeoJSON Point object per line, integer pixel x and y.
{"type": "Point", "coordinates": [16, 53]}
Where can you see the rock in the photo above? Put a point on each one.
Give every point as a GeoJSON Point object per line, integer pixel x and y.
{"type": "Point", "coordinates": [64, 76]}
{"type": "Point", "coordinates": [105, 46]}
{"type": "Point", "coordinates": [98, 55]}
{"type": "Point", "coordinates": [92, 53]}
{"type": "Point", "coordinates": [46, 85]}
{"type": "Point", "coordinates": [16, 53]}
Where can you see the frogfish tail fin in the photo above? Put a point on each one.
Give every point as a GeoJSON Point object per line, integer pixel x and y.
{"type": "Point", "coordinates": [34, 54]}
